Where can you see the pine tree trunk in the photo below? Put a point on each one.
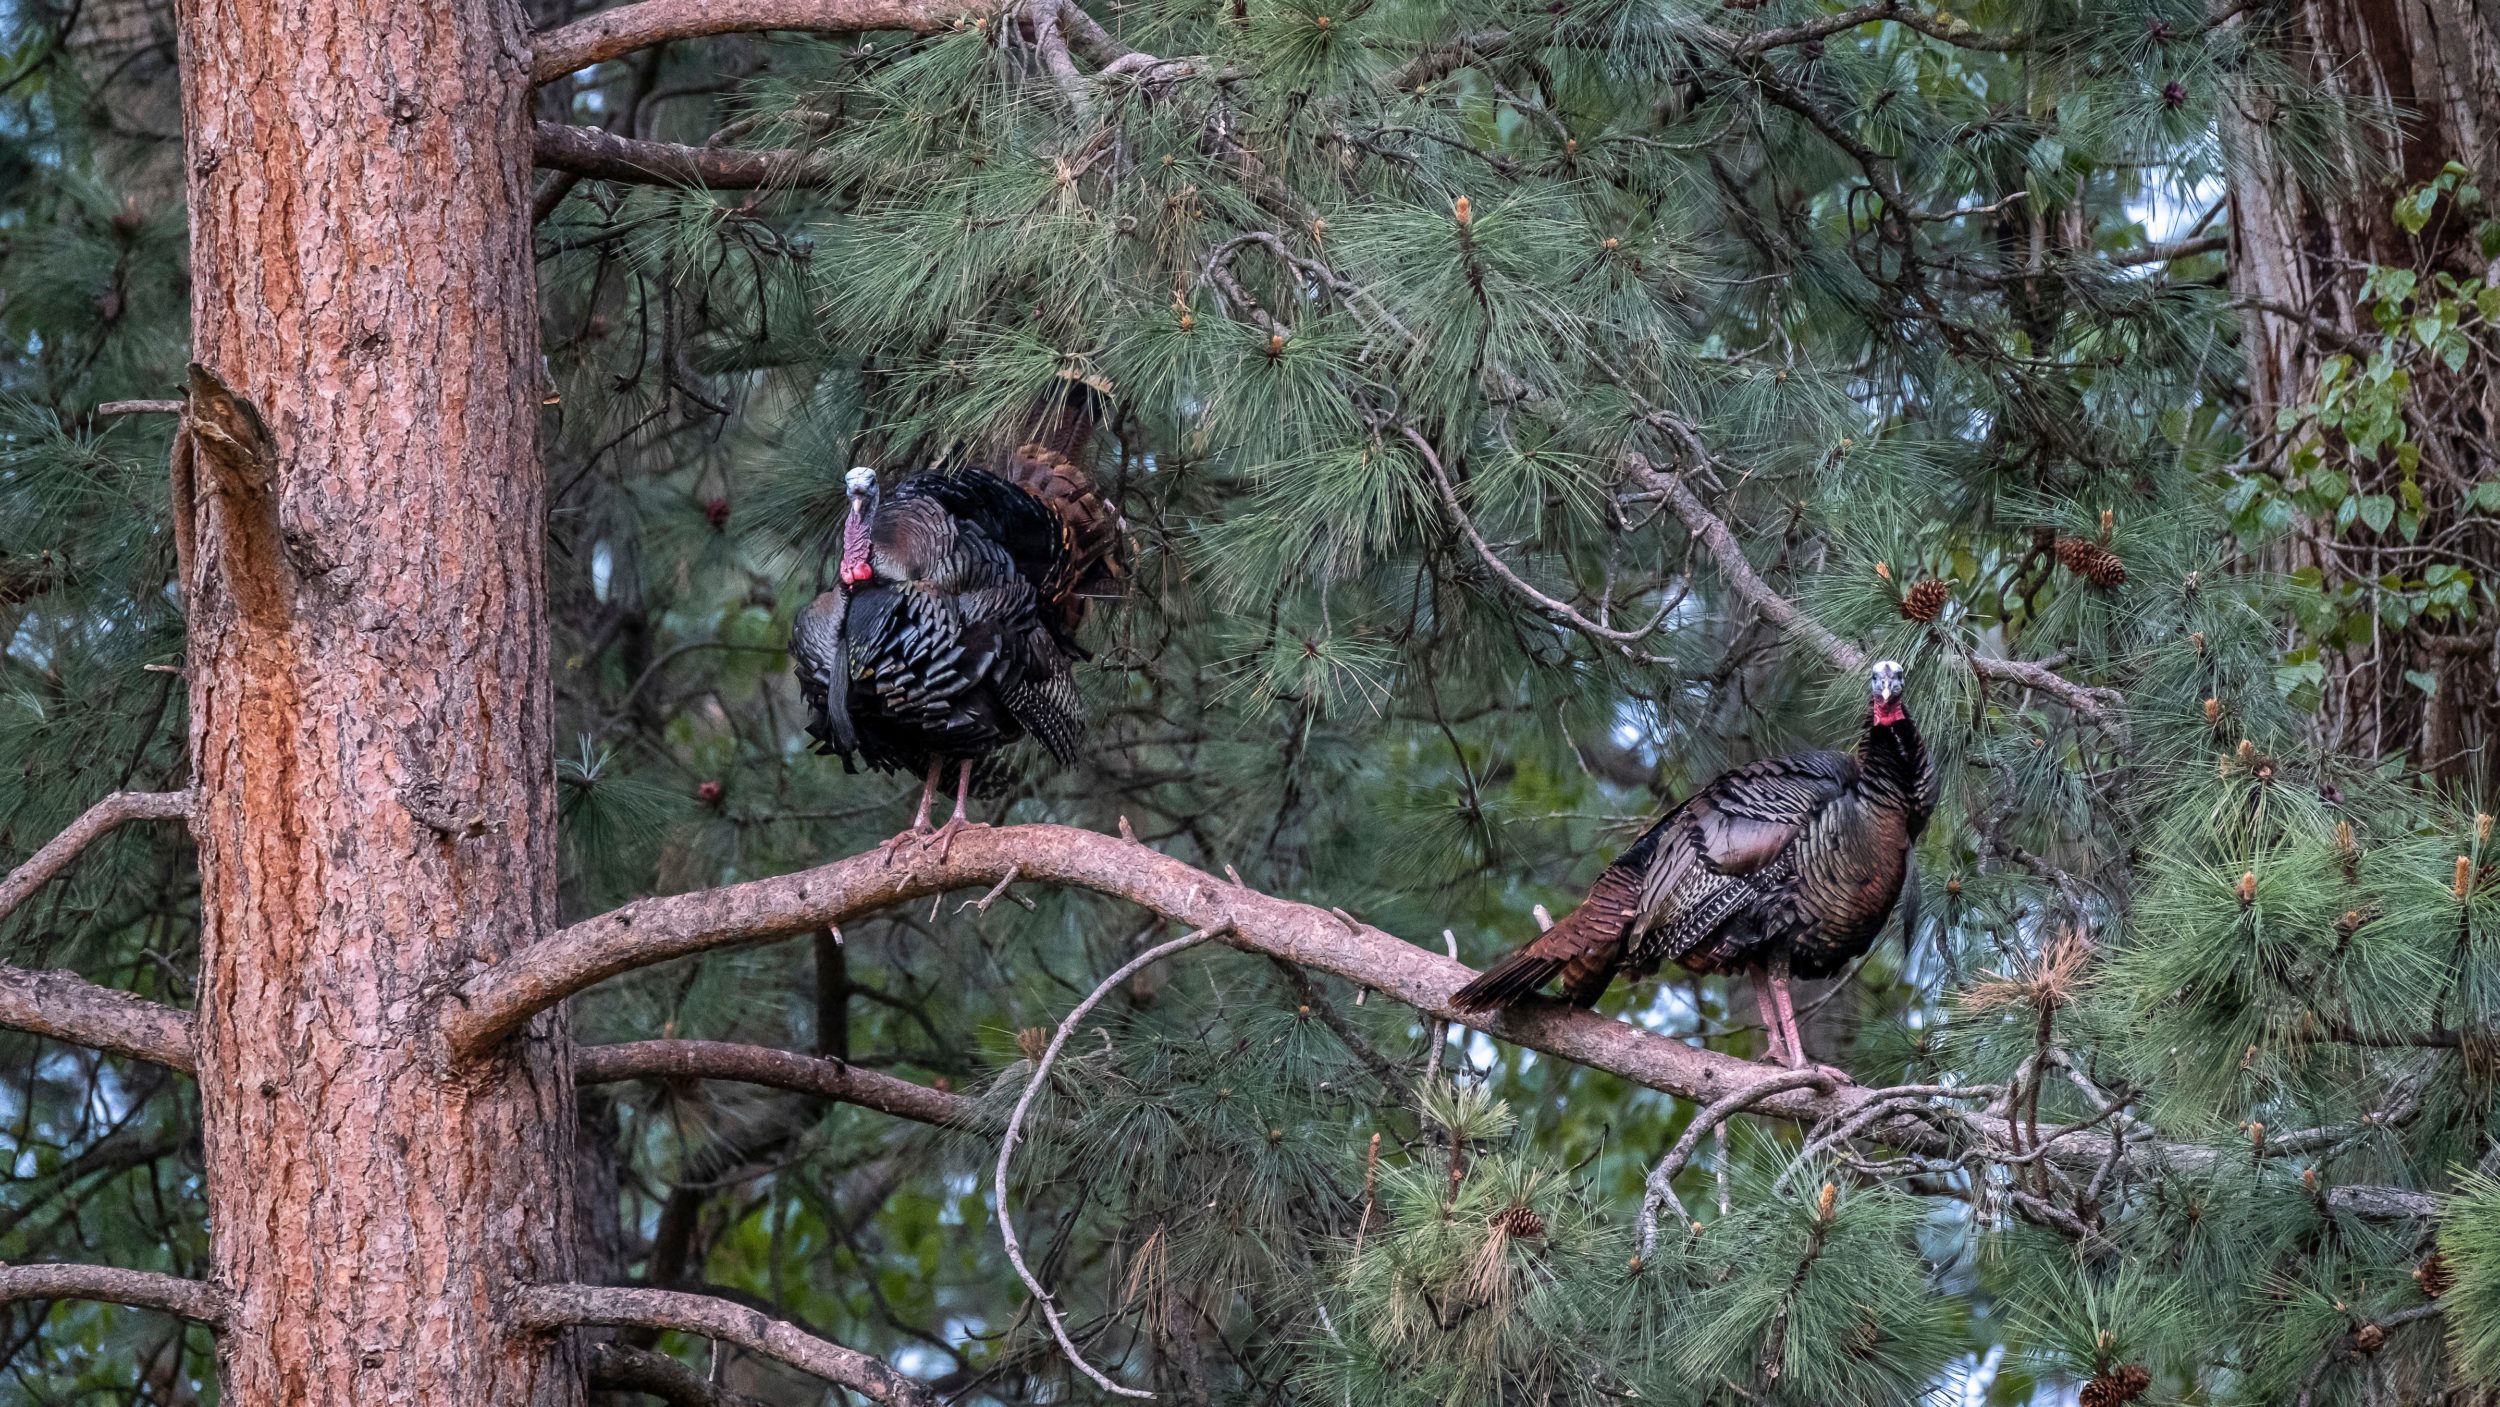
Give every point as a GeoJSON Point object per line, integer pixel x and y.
{"type": "Point", "coordinates": [369, 698]}
{"type": "Point", "coordinates": [2299, 254]}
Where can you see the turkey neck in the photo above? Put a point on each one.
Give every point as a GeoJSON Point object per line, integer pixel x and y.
{"type": "Point", "coordinates": [1893, 762]}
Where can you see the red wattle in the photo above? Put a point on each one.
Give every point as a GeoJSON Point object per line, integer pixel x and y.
{"type": "Point", "coordinates": [855, 564]}
{"type": "Point", "coordinates": [1889, 711]}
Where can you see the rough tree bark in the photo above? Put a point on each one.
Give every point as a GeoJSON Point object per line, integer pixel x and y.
{"type": "Point", "coordinates": [2299, 252]}
{"type": "Point", "coordinates": [370, 704]}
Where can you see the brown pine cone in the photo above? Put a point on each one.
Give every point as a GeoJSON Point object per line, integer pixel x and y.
{"type": "Point", "coordinates": [2115, 1388]}
{"type": "Point", "coordinates": [2091, 561]}
{"type": "Point", "coordinates": [2369, 1338]}
{"type": "Point", "coordinates": [1520, 1221]}
{"type": "Point", "coordinates": [2434, 1276]}
{"type": "Point", "coordinates": [1925, 601]}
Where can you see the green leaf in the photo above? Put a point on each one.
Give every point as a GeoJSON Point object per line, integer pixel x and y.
{"type": "Point", "coordinates": [2423, 680]}
{"type": "Point", "coordinates": [2413, 208]}
{"type": "Point", "coordinates": [2377, 510]}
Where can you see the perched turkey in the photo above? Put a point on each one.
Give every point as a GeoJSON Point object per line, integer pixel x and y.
{"type": "Point", "coordinates": [951, 629]}
{"type": "Point", "coordinates": [1787, 866]}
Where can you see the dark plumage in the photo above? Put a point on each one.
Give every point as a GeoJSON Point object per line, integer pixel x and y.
{"type": "Point", "coordinates": [1787, 865]}
{"type": "Point", "coordinates": [951, 630]}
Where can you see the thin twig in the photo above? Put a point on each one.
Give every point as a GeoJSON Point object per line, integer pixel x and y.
{"type": "Point", "coordinates": [1015, 1126]}
{"type": "Point", "coordinates": [1559, 612]}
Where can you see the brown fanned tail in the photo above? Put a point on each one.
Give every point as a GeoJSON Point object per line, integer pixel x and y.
{"type": "Point", "coordinates": [1090, 528]}
{"type": "Point", "coordinates": [1584, 950]}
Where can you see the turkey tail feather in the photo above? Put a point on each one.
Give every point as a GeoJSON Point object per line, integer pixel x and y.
{"type": "Point", "coordinates": [1584, 949]}
{"type": "Point", "coordinates": [1515, 976]}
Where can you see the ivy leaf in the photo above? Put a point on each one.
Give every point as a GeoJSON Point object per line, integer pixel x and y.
{"type": "Point", "coordinates": [2423, 680]}
{"type": "Point", "coordinates": [2378, 510]}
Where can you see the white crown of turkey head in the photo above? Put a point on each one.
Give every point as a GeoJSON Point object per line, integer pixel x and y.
{"type": "Point", "coordinates": [861, 479]}
{"type": "Point", "coordinates": [1884, 680]}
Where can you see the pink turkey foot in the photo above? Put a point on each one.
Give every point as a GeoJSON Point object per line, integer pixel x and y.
{"type": "Point", "coordinates": [957, 824]}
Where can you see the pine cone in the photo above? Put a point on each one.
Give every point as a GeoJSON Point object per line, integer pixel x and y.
{"type": "Point", "coordinates": [2091, 561]}
{"type": "Point", "coordinates": [2434, 1276]}
{"type": "Point", "coordinates": [2369, 1338]}
{"type": "Point", "coordinates": [2115, 1388]}
{"type": "Point", "coordinates": [1520, 1221]}
{"type": "Point", "coordinates": [1925, 601]}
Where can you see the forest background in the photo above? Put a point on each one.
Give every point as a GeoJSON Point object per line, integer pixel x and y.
{"type": "Point", "coordinates": [1521, 412]}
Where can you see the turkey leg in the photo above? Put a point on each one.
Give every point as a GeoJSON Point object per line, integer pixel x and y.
{"type": "Point", "coordinates": [958, 821]}
{"type": "Point", "coordinates": [920, 818]}
{"type": "Point", "coordinates": [1770, 1019]}
{"type": "Point", "coordinates": [1795, 1058]}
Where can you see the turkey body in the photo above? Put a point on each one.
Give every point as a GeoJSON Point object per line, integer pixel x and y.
{"type": "Point", "coordinates": [1789, 865]}
{"type": "Point", "coordinates": [952, 632]}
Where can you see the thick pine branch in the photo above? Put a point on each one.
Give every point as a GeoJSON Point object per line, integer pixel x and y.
{"type": "Point", "coordinates": [65, 1006]}
{"type": "Point", "coordinates": [68, 1007]}
{"type": "Point", "coordinates": [588, 151]}
{"type": "Point", "coordinates": [140, 1289]}
{"type": "Point", "coordinates": [495, 1003]}
{"type": "Point", "coordinates": [103, 816]}
{"type": "Point", "coordinates": [780, 1069]}
{"type": "Point", "coordinates": [552, 1307]}
{"type": "Point", "coordinates": [614, 33]}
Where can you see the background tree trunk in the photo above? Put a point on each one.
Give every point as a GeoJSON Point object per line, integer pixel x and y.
{"type": "Point", "coordinates": [2300, 253]}
{"type": "Point", "coordinates": [369, 698]}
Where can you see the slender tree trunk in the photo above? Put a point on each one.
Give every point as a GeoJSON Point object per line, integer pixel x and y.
{"type": "Point", "coordinates": [369, 698]}
{"type": "Point", "coordinates": [2300, 250]}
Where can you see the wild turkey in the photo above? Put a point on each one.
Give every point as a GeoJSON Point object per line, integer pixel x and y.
{"type": "Point", "coordinates": [951, 630]}
{"type": "Point", "coordinates": [1787, 866]}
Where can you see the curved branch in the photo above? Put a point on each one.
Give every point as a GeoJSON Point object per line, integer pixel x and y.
{"type": "Point", "coordinates": [614, 33]}
{"type": "Point", "coordinates": [2092, 703]}
{"type": "Point", "coordinates": [618, 1368]}
{"type": "Point", "coordinates": [1659, 1192]}
{"type": "Point", "coordinates": [605, 156]}
{"type": "Point", "coordinates": [496, 1002]}
{"type": "Point", "coordinates": [781, 1069]}
{"type": "Point", "coordinates": [1015, 1121]}
{"type": "Point", "coordinates": [140, 1289]}
{"type": "Point", "coordinates": [68, 1007]}
{"type": "Point", "coordinates": [1559, 612]}
{"type": "Point", "coordinates": [552, 1307]}
{"type": "Point", "coordinates": [1738, 572]}
{"type": "Point", "coordinates": [103, 816]}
